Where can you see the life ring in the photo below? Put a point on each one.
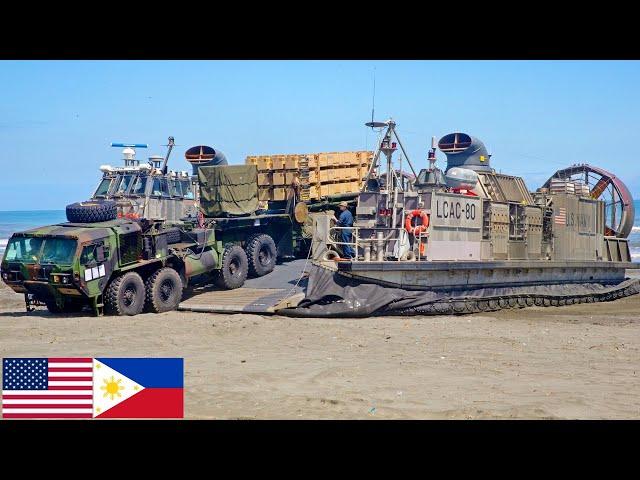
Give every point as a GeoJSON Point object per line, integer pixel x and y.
{"type": "Point", "coordinates": [424, 219]}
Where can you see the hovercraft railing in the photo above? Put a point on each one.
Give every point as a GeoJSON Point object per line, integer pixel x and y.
{"type": "Point", "coordinates": [381, 243]}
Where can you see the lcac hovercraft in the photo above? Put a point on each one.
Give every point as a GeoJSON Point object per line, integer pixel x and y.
{"type": "Point", "coordinates": [470, 239]}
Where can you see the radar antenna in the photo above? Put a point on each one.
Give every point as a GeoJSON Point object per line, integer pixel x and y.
{"type": "Point", "coordinates": [386, 146]}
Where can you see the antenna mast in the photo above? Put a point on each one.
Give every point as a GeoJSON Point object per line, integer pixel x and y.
{"type": "Point", "coordinates": [166, 158]}
{"type": "Point", "coordinates": [373, 100]}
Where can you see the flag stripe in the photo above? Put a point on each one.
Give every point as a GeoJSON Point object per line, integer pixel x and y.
{"type": "Point", "coordinates": [70, 360]}
{"type": "Point", "coordinates": [40, 393]}
{"type": "Point", "coordinates": [47, 415]}
{"type": "Point", "coordinates": [47, 401]}
{"type": "Point", "coordinates": [66, 387]}
{"type": "Point", "coordinates": [70, 374]}
{"type": "Point", "coordinates": [24, 409]}
{"type": "Point", "coordinates": [68, 384]}
{"type": "Point", "coordinates": [69, 369]}
{"type": "Point", "coordinates": [66, 365]}
{"type": "Point", "coordinates": [69, 379]}
{"type": "Point", "coordinates": [48, 406]}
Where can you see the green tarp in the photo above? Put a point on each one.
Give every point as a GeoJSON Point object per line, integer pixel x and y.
{"type": "Point", "coordinates": [228, 190]}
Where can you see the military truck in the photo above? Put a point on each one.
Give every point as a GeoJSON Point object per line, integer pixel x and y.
{"type": "Point", "coordinates": [119, 267]}
{"type": "Point", "coordinates": [126, 265]}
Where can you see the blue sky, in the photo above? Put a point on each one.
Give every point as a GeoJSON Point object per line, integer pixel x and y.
{"type": "Point", "coordinates": [57, 118]}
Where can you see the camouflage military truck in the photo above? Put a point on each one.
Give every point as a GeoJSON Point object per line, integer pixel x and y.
{"type": "Point", "coordinates": [118, 267]}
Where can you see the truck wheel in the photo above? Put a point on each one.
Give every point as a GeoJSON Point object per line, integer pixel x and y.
{"type": "Point", "coordinates": [92, 211]}
{"type": "Point", "coordinates": [125, 295]}
{"type": "Point", "coordinates": [234, 268]}
{"type": "Point", "coordinates": [53, 307]}
{"type": "Point", "coordinates": [164, 290]}
{"type": "Point", "coordinates": [262, 254]}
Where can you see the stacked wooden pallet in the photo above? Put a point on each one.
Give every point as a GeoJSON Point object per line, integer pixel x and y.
{"type": "Point", "coordinates": [317, 174]}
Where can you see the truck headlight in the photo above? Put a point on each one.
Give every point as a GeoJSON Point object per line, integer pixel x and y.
{"type": "Point", "coordinates": [5, 275]}
{"type": "Point", "coordinates": [65, 280]}
{"type": "Point", "coordinates": [56, 279]}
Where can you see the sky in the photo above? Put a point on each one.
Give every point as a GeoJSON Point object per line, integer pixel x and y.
{"type": "Point", "coordinates": [58, 118]}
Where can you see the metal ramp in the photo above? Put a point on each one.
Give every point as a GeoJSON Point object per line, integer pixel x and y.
{"type": "Point", "coordinates": [258, 295]}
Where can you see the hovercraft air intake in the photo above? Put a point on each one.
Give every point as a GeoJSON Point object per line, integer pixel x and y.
{"type": "Point", "coordinates": [465, 151]}
{"type": "Point", "coordinates": [204, 156]}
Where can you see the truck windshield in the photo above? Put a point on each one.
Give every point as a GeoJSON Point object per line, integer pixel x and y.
{"type": "Point", "coordinates": [58, 250]}
{"type": "Point", "coordinates": [24, 249]}
{"type": "Point", "coordinates": [124, 184]}
{"type": "Point", "coordinates": [41, 250]}
{"type": "Point", "coordinates": [103, 188]}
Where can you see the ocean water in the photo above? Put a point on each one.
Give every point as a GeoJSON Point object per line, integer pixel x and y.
{"type": "Point", "coordinates": [16, 221]}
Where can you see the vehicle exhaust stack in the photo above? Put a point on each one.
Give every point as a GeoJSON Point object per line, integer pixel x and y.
{"type": "Point", "coordinates": [465, 151]}
{"type": "Point", "coordinates": [204, 156]}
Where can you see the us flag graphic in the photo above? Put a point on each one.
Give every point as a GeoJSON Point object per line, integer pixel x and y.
{"type": "Point", "coordinates": [561, 216]}
{"type": "Point", "coordinates": [47, 388]}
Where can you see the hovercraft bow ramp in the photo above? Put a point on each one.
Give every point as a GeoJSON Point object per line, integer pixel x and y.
{"type": "Point", "coordinates": [281, 288]}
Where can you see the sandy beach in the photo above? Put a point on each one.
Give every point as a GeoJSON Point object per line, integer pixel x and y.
{"type": "Point", "coordinates": [572, 362]}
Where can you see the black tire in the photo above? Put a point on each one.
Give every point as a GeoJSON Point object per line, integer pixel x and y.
{"type": "Point", "coordinates": [163, 291]}
{"type": "Point", "coordinates": [70, 306]}
{"type": "Point", "coordinates": [234, 268]}
{"type": "Point", "coordinates": [53, 307]}
{"type": "Point", "coordinates": [261, 254]}
{"type": "Point", "coordinates": [173, 235]}
{"type": "Point", "coordinates": [125, 295]}
{"type": "Point", "coordinates": [92, 211]}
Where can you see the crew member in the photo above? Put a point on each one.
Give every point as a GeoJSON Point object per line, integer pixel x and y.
{"type": "Point", "coordinates": [346, 220]}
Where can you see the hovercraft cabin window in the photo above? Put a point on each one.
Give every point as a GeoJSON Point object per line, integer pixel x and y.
{"type": "Point", "coordinates": [130, 247]}
{"type": "Point", "coordinates": [160, 187]}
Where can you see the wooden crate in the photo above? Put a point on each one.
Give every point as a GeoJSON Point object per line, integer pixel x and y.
{"type": "Point", "coordinates": [263, 164]}
{"type": "Point", "coordinates": [353, 159]}
{"type": "Point", "coordinates": [354, 187]}
{"type": "Point", "coordinates": [326, 160]}
{"type": "Point", "coordinates": [327, 175]}
{"type": "Point", "coordinates": [278, 162]}
{"type": "Point", "coordinates": [292, 162]}
{"type": "Point", "coordinates": [313, 160]}
{"type": "Point", "coordinates": [313, 176]}
{"type": "Point", "coordinates": [278, 178]}
{"type": "Point", "coordinates": [264, 178]}
{"type": "Point", "coordinates": [323, 190]}
{"type": "Point", "coordinates": [280, 193]}
{"type": "Point", "coordinates": [264, 194]}
{"type": "Point", "coordinates": [290, 176]}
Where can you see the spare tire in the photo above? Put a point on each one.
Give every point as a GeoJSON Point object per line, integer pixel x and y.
{"type": "Point", "coordinates": [92, 211]}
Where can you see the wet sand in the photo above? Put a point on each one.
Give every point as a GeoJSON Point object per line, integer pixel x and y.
{"type": "Point", "coordinates": [578, 361]}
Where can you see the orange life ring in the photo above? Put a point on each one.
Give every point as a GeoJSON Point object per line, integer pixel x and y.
{"type": "Point", "coordinates": [424, 219]}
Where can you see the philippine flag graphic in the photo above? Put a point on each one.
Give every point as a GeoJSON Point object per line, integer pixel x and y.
{"type": "Point", "coordinates": [138, 388]}
{"type": "Point", "coordinates": [92, 388]}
